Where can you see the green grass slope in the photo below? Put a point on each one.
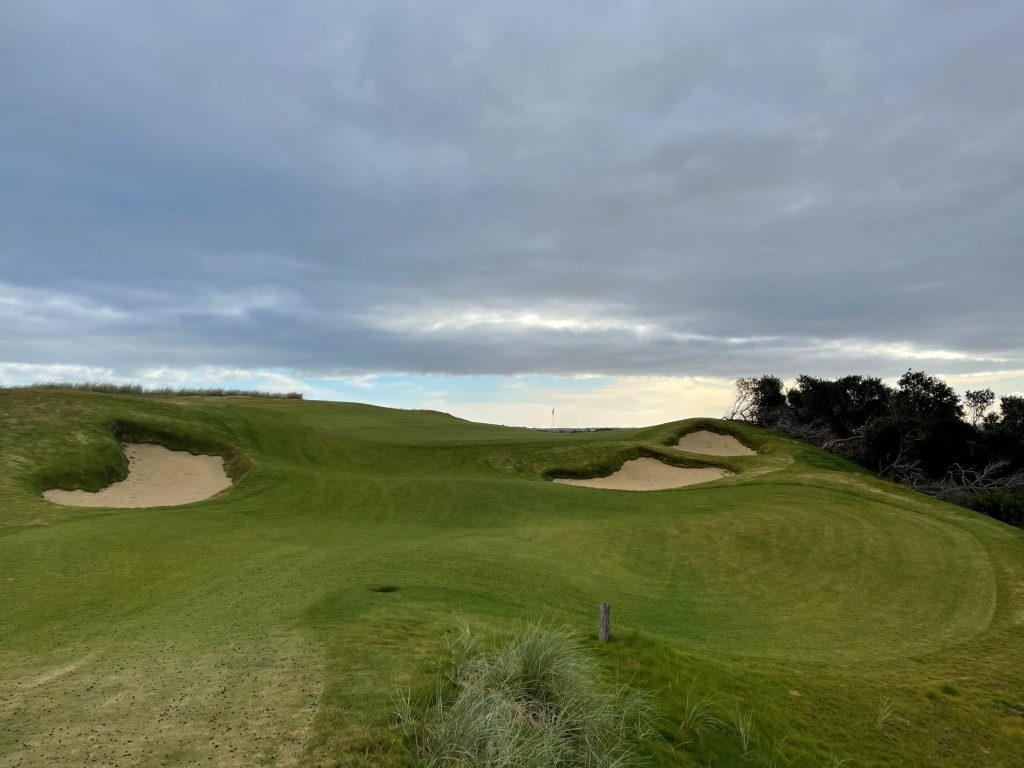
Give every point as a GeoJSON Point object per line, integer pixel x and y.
{"type": "Point", "coordinates": [252, 628]}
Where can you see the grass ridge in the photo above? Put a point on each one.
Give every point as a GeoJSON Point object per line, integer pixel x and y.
{"type": "Point", "coordinates": [108, 388]}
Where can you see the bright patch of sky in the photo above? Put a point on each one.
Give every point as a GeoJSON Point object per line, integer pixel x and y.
{"type": "Point", "coordinates": [577, 401]}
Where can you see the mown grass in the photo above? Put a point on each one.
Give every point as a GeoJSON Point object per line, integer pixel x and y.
{"type": "Point", "coordinates": [276, 623]}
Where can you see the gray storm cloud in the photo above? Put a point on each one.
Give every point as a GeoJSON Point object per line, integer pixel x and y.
{"type": "Point", "coordinates": [463, 188]}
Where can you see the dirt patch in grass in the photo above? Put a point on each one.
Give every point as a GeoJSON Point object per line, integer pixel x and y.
{"type": "Point", "coordinates": [647, 474]}
{"type": "Point", "coordinates": [713, 444]}
{"type": "Point", "coordinates": [226, 705]}
{"type": "Point", "coordinates": [53, 673]}
{"type": "Point", "coordinates": [157, 477]}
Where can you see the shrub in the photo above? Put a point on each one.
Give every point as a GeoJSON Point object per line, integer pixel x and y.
{"type": "Point", "coordinates": [1001, 505]}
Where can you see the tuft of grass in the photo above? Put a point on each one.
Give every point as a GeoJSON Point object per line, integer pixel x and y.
{"type": "Point", "coordinates": [769, 752]}
{"type": "Point", "coordinates": [742, 730]}
{"type": "Point", "coordinates": [536, 700]}
{"type": "Point", "coordinates": [887, 719]}
{"type": "Point", "coordinates": [698, 717]}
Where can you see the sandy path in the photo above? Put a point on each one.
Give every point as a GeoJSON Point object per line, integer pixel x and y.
{"type": "Point", "coordinates": [713, 444]}
{"type": "Point", "coordinates": [157, 477]}
{"type": "Point", "coordinates": [648, 474]}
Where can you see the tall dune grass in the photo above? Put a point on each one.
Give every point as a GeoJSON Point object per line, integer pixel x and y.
{"type": "Point", "coordinates": [537, 700]}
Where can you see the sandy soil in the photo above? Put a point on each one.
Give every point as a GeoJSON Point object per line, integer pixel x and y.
{"type": "Point", "coordinates": [157, 477]}
{"type": "Point", "coordinates": [713, 444]}
{"type": "Point", "coordinates": [648, 474]}
{"type": "Point", "coordinates": [237, 703]}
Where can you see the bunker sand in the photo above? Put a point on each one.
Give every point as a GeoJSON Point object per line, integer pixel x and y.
{"type": "Point", "coordinates": [157, 477]}
{"type": "Point", "coordinates": [713, 444]}
{"type": "Point", "coordinates": [646, 474]}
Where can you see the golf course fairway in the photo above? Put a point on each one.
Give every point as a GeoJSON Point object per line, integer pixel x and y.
{"type": "Point", "coordinates": [278, 622]}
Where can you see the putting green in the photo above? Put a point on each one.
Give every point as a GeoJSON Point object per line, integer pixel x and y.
{"type": "Point", "coordinates": [252, 628]}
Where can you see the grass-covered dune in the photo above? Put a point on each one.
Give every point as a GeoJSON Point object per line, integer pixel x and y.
{"type": "Point", "coordinates": [277, 623]}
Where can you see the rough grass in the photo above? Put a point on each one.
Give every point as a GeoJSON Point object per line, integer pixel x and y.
{"type": "Point", "coordinates": [244, 630]}
{"type": "Point", "coordinates": [537, 699]}
{"type": "Point", "coordinates": [139, 389]}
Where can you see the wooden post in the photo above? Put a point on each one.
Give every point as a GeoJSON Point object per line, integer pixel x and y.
{"type": "Point", "coordinates": [604, 634]}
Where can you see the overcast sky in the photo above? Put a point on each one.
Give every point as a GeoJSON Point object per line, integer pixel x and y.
{"type": "Point", "coordinates": [489, 207]}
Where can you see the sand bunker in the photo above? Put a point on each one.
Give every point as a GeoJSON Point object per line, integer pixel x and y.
{"type": "Point", "coordinates": [650, 475]}
{"type": "Point", "coordinates": [713, 444]}
{"type": "Point", "coordinates": [157, 477]}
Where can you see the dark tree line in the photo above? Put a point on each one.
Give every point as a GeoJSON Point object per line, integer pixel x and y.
{"type": "Point", "coordinates": [920, 433]}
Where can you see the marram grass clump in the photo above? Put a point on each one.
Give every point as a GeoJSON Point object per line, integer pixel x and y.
{"type": "Point", "coordinates": [535, 701]}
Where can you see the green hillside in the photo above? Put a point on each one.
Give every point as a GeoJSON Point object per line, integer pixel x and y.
{"type": "Point", "coordinates": [252, 629]}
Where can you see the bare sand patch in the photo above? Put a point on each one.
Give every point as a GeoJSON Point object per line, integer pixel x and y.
{"type": "Point", "coordinates": [646, 474]}
{"type": "Point", "coordinates": [157, 477]}
{"type": "Point", "coordinates": [713, 444]}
